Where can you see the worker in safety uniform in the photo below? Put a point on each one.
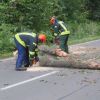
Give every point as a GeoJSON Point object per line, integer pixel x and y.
{"type": "Point", "coordinates": [27, 45]}
{"type": "Point", "coordinates": [59, 30]}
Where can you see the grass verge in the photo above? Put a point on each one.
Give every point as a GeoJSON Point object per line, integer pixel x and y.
{"type": "Point", "coordinates": [82, 40]}
{"type": "Point", "coordinates": [5, 55]}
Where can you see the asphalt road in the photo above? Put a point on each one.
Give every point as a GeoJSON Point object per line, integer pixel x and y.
{"type": "Point", "coordinates": [49, 84]}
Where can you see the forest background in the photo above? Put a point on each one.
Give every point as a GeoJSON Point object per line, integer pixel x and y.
{"type": "Point", "coordinates": [82, 18]}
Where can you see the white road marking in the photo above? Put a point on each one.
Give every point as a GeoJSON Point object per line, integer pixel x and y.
{"type": "Point", "coordinates": [29, 80]}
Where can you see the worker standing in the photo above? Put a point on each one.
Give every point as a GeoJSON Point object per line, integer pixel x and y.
{"type": "Point", "coordinates": [27, 45]}
{"type": "Point", "coordinates": [60, 32]}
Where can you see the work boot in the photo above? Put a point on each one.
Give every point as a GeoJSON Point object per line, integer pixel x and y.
{"type": "Point", "coordinates": [21, 69]}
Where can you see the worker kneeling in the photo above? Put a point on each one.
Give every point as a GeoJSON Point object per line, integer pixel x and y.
{"type": "Point", "coordinates": [27, 45]}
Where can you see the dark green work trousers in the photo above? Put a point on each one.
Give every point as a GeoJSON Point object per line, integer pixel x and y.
{"type": "Point", "coordinates": [64, 42]}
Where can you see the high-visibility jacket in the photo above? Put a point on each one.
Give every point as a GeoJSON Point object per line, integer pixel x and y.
{"type": "Point", "coordinates": [58, 28]}
{"type": "Point", "coordinates": [28, 39]}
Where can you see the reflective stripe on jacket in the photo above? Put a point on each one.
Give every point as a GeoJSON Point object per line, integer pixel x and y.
{"type": "Point", "coordinates": [59, 29]}
{"type": "Point", "coordinates": [28, 39]}
{"type": "Point", "coordinates": [19, 40]}
{"type": "Point", "coordinates": [64, 31]}
{"type": "Point", "coordinates": [17, 36]}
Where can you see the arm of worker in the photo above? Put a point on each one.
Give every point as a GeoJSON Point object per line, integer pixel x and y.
{"type": "Point", "coordinates": [36, 55]}
{"type": "Point", "coordinates": [33, 54]}
{"type": "Point", "coordinates": [55, 33]}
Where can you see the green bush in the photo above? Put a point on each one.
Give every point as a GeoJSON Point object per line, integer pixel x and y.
{"type": "Point", "coordinates": [6, 37]}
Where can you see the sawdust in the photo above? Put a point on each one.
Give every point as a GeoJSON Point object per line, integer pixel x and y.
{"type": "Point", "coordinates": [38, 68]}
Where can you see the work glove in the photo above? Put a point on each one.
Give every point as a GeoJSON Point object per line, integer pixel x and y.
{"type": "Point", "coordinates": [56, 40]}
{"type": "Point", "coordinates": [31, 61]}
{"type": "Point", "coordinates": [34, 60]}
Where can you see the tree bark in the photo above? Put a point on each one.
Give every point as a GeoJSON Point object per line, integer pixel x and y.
{"type": "Point", "coordinates": [81, 61]}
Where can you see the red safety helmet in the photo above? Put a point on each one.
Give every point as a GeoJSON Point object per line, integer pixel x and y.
{"type": "Point", "coordinates": [42, 38]}
{"type": "Point", "coordinates": [52, 20]}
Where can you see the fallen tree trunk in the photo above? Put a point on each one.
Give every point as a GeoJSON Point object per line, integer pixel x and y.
{"type": "Point", "coordinates": [83, 60]}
